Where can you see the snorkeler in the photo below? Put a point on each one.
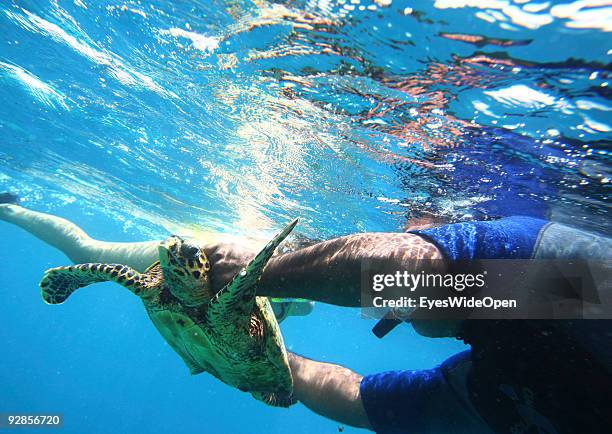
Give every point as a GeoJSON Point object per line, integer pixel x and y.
{"type": "Point", "coordinates": [519, 376]}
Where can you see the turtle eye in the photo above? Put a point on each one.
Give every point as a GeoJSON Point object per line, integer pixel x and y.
{"type": "Point", "coordinates": [189, 251]}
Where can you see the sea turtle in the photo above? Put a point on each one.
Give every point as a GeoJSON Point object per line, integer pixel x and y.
{"type": "Point", "coordinates": [232, 334]}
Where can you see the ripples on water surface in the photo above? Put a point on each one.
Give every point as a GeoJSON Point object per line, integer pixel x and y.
{"type": "Point", "coordinates": [357, 114]}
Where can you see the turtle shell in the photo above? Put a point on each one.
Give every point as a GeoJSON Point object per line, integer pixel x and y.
{"type": "Point", "coordinates": [251, 359]}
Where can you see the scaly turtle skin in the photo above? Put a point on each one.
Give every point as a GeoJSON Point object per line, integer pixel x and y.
{"type": "Point", "coordinates": [233, 334]}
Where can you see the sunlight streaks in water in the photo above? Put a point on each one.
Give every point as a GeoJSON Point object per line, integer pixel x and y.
{"type": "Point", "coordinates": [312, 108]}
{"type": "Point", "coordinates": [41, 91]}
{"type": "Point", "coordinates": [522, 95]}
{"type": "Point", "coordinates": [116, 67]}
{"type": "Point", "coordinates": [207, 44]}
{"type": "Point", "coordinates": [585, 14]}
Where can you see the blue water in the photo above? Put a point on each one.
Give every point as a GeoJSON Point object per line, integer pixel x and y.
{"type": "Point", "coordinates": [140, 119]}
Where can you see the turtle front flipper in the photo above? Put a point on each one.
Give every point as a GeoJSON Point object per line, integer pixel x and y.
{"type": "Point", "coordinates": [275, 399]}
{"type": "Point", "coordinates": [59, 283]}
{"type": "Point", "coordinates": [235, 301]}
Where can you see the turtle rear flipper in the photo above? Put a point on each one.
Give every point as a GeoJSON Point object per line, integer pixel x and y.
{"type": "Point", "coordinates": [59, 283]}
{"type": "Point", "coordinates": [276, 399]}
{"type": "Point", "coordinates": [235, 301]}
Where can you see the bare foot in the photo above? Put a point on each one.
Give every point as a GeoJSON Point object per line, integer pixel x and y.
{"type": "Point", "coordinates": [7, 197]}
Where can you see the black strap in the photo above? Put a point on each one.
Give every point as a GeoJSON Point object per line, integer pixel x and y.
{"type": "Point", "coordinates": [385, 325]}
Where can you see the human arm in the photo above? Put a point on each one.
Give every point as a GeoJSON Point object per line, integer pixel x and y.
{"type": "Point", "coordinates": [329, 390]}
{"type": "Point", "coordinates": [75, 243]}
{"type": "Point", "coordinates": [422, 400]}
{"type": "Point", "coordinates": [329, 271]}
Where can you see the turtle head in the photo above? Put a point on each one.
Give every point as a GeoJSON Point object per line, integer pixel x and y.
{"type": "Point", "coordinates": [185, 267]}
